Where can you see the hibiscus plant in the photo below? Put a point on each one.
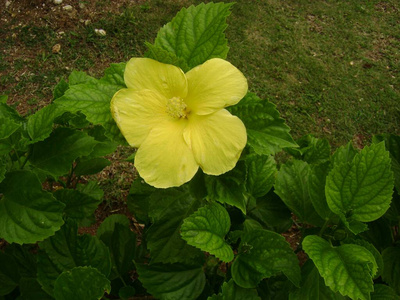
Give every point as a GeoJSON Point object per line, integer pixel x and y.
{"type": "Point", "coordinates": [220, 217]}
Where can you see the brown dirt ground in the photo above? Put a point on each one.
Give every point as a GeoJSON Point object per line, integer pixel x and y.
{"type": "Point", "coordinates": [15, 15]}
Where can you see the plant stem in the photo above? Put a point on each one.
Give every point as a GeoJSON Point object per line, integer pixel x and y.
{"type": "Point", "coordinates": [321, 232]}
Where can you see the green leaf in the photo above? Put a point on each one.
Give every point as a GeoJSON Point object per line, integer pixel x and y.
{"type": "Point", "coordinates": [391, 267]}
{"type": "Point", "coordinates": [67, 250]}
{"type": "Point", "coordinates": [196, 34]}
{"type": "Point", "coordinates": [93, 100]}
{"type": "Point", "coordinates": [267, 132]}
{"type": "Point", "coordinates": [348, 269]}
{"type": "Point", "coordinates": [78, 206]}
{"type": "Point", "coordinates": [384, 292]}
{"type": "Point", "coordinates": [263, 254]}
{"type": "Point", "coordinates": [379, 234]}
{"type": "Point", "coordinates": [344, 154]}
{"type": "Point", "coordinates": [79, 77]}
{"type": "Point", "coordinates": [27, 213]}
{"type": "Point", "coordinates": [25, 259]}
{"type": "Point", "coordinates": [127, 292]}
{"type": "Point", "coordinates": [173, 281]}
{"type": "Point", "coordinates": [40, 124]}
{"type": "Point", "coordinates": [81, 283]}
{"type": "Point", "coordinates": [361, 190]}
{"type": "Point", "coordinates": [272, 212]}
{"type": "Point", "coordinates": [229, 187]}
{"type": "Point", "coordinates": [114, 75]}
{"type": "Point", "coordinates": [9, 275]}
{"type": "Point", "coordinates": [292, 187]}
{"type": "Point", "coordinates": [261, 172]}
{"type": "Point", "coordinates": [139, 198]}
{"type": "Point", "coordinates": [117, 236]}
{"type": "Point", "coordinates": [166, 57]}
{"type": "Point", "coordinates": [206, 229]}
{"type": "Point", "coordinates": [91, 189]}
{"type": "Point", "coordinates": [392, 144]}
{"type": "Point", "coordinates": [168, 209]}
{"type": "Point", "coordinates": [56, 154]}
{"type": "Point", "coordinates": [30, 289]}
{"type": "Point", "coordinates": [7, 126]}
{"type": "Point", "coordinates": [91, 166]}
{"type": "Point", "coordinates": [313, 286]}
{"type": "Point", "coordinates": [316, 190]}
{"type": "Point", "coordinates": [231, 291]}
{"type": "Point", "coordinates": [3, 99]}
{"type": "Point", "coordinates": [3, 166]}
{"type": "Point", "coordinates": [312, 150]}
{"type": "Point", "coordinates": [370, 248]}
{"type": "Point", "coordinates": [60, 89]}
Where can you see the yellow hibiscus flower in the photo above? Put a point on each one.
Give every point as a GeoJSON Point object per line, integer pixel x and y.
{"type": "Point", "coordinates": [178, 121]}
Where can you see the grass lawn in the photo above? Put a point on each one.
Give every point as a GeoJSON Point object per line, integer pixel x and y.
{"type": "Point", "coordinates": [331, 67]}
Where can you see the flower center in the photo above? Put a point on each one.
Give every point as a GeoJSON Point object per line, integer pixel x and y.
{"type": "Point", "coordinates": [177, 108]}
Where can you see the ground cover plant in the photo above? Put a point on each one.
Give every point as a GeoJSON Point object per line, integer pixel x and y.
{"type": "Point", "coordinates": [205, 236]}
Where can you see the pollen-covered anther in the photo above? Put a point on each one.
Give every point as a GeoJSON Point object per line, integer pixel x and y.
{"type": "Point", "coordinates": [177, 108]}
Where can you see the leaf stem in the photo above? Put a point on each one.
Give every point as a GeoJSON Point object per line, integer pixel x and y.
{"type": "Point", "coordinates": [321, 232]}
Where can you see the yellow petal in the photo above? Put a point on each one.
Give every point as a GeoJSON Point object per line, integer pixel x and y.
{"type": "Point", "coordinates": [214, 85]}
{"type": "Point", "coordinates": [137, 112]}
{"type": "Point", "coordinates": [217, 140]}
{"type": "Point", "coordinates": [164, 159]}
{"type": "Point", "coordinates": [149, 74]}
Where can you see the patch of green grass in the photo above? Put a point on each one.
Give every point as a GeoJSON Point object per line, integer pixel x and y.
{"type": "Point", "coordinates": [328, 66]}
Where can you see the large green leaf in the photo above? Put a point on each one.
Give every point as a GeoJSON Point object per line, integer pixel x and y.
{"type": "Point", "coordinates": [267, 132]}
{"type": "Point", "coordinates": [78, 205]}
{"type": "Point", "coordinates": [263, 254]}
{"type": "Point", "coordinates": [168, 209]}
{"type": "Point", "coordinates": [384, 292]}
{"type": "Point", "coordinates": [40, 124]}
{"type": "Point", "coordinates": [9, 274]}
{"type": "Point", "coordinates": [93, 100]}
{"type": "Point", "coordinates": [272, 212]}
{"type": "Point", "coordinates": [316, 191]}
{"type": "Point", "coordinates": [392, 143]}
{"type": "Point", "coordinates": [7, 126]}
{"type": "Point", "coordinates": [196, 34]}
{"type": "Point", "coordinates": [229, 187]}
{"type": "Point", "coordinates": [166, 57]}
{"type": "Point", "coordinates": [30, 289]}
{"type": "Point", "coordinates": [313, 286]}
{"type": "Point", "coordinates": [117, 236]}
{"type": "Point", "coordinates": [90, 166]}
{"type": "Point", "coordinates": [27, 213]}
{"type": "Point", "coordinates": [348, 269]}
{"type": "Point", "coordinates": [206, 229]}
{"type": "Point", "coordinates": [292, 187]}
{"type": "Point", "coordinates": [81, 283]}
{"type": "Point", "coordinates": [391, 267]}
{"type": "Point", "coordinates": [261, 172]}
{"type": "Point", "coordinates": [361, 190]}
{"type": "Point", "coordinates": [139, 198]}
{"type": "Point", "coordinates": [114, 75]}
{"type": "Point", "coordinates": [25, 259]}
{"type": "Point", "coordinates": [172, 281]}
{"type": "Point", "coordinates": [231, 291]}
{"type": "Point", "coordinates": [67, 250]}
{"type": "Point", "coordinates": [312, 150]}
{"type": "Point", "coordinates": [56, 154]}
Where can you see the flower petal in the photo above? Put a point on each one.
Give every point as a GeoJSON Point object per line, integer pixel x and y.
{"type": "Point", "coordinates": [164, 159]}
{"type": "Point", "coordinates": [217, 140]}
{"type": "Point", "coordinates": [137, 112]}
{"type": "Point", "coordinates": [149, 74]}
{"type": "Point", "coordinates": [214, 85]}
